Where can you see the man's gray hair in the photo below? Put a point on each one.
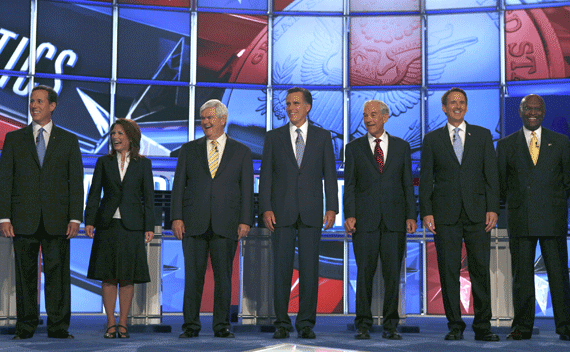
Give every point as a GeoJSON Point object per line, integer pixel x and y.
{"type": "Point", "coordinates": [221, 109]}
{"type": "Point", "coordinates": [383, 107]}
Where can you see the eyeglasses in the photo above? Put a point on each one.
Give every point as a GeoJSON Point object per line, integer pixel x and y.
{"type": "Point", "coordinates": [533, 109]}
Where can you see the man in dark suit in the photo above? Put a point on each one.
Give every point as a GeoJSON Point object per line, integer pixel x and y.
{"type": "Point", "coordinates": [295, 159]}
{"type": "Point", "coordinates": [212, 208]}
{"type": "Point", "coordinates": [379, 208]}
{"type": "Point", "coordinates": [41, 204]}
{"type": "Point", "coordinates": [534, 169]}
{"type": "Point", "coordinates": [459, 197]}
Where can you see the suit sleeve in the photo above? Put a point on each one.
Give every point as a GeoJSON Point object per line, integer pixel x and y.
{"type": "Point", "coordinates": [6, 178]}
{"type": "Point", "coordinates": [490, 169]}
{"type": "Point", "coordinates": [426, 179]}
{"type": "Point", "coordinates": [148, 192]}
{"type": "Point", "coordinates": [75, 166]}
{"type": "Point", "coordinates": [179, 185]}
{"type": "Point", "coordinates": [330, 176]}
{"type": "Point", "coordinates": [408, 184]}
{"type": "Point", "coordinates": [349, 202]}
{"type": "Point", "coordinates": [94, 196]}
{"type": "Point", "coordinates": [266, 176]}
{"type": "Point", "coordinates": [246, 214]}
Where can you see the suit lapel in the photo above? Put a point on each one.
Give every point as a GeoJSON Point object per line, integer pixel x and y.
{"type": "Point", "coordinates": [285, 136]}
{"type": "Point", "coordinates": [522, 147]}
{"type": "Point", "coordinates": [114, 167]}
{"type": "Point", "coordinates": [390, 156]}
{"type": "Point", "coordinates": [545, 145]}
{"type": "Point", "coordinates": [444, 135]}
{"type": "Point", "coordinates": [227, 156]}
{"type": "Point", "coordinates": [203, 153]}
{"type": "Point", "coordinates": [31, 143]}
{"type": "Point", "coordinates": [54, 138]}
{"type": "Point", "coordinates": [365, 149]}
{"type": "Point", "coordinates": [132, 165]}
{"type": "Point", "coordinates": [468, 141]}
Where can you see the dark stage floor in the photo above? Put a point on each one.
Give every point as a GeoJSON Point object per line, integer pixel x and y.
{"type": "Point", "coordinates": [332, 335]}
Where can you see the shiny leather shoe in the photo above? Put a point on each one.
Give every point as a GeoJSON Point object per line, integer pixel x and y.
{"type": "Point", "coordinates": [225, 333]}
{"type": "Point", "coordinates": [281, 333]}
{"type": "Point", "coordinates": [565, 337]}
{"type": "Point", "coordinates": [61, 334]}
{"type": "Point", "coordinates": [22, 335]}
{"type": "Point", "coordinates": [391, 335]}
{"type": "Point", "coordinates": [487, 336]}
{"type": "Point", "coordinates": [517, 335]}
{"type": "Point", "coordinates": [306, 333]}
{"type": "Point", "coordinates": [454, 334]}
{"type": "Point", "coordinates": [362, 334]}
{"type": "Point", "coordinates": [110, 334]}
{"type": "Point", "coordinates": [188, 333]}
{"type": "Point", "coordinates": [122, 335]}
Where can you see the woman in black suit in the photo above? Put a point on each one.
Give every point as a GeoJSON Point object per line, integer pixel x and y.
{"type": "Point", "coordinates": [124, 220]}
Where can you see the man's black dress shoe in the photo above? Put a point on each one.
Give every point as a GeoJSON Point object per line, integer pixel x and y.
{"type": "Point", "coordinates": [22, 335]}
{"type": "Point", "coordinates": [281, 333]}
{"type": "Point", "coordinates": [61, 334]}
{"type": "Point", "coordinates": [454, 334]}
{"type": "Point", "coordinates": [306, 333]}
{"type": "Point", "coordinates": [362, 334]}
{"type": "Point", "coordinates": [565, 337]}
{"type": "Point", "coordinates": [486, 336]}
{"type": "Point", "coordinates": [518, 335]}
{"type": "Point", "coordinates": [226, 333]}
{"type": "Point", "coordinates": [391, 335]}
{"type": "Point", "coordinates": [188, 333]}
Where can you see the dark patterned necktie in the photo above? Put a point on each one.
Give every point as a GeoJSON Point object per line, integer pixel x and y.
{"type": "Point", "coordinates": [379, 155]}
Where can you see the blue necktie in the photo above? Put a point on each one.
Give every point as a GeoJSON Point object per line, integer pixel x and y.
{"type": "Point", "coordinates": [41, 146]}
{"type": "Point", "coordinates": [299, 147]}
{"type": "Point", "coordinates": [457, 145]}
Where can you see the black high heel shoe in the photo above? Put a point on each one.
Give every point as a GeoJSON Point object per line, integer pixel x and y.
{"type": "Point", "coordinates": [110, 335]}
{"type": "Point", "coordinates": [123, 335]}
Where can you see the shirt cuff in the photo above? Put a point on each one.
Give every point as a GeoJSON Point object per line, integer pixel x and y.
{"type": "Point", "coordinates": [4, 220]}
{"type": "Point", "coordinates": [75, 221]}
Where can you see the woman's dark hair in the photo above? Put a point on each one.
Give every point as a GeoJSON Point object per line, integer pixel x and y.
{"type": "Point", "coordinates": [133, 132]}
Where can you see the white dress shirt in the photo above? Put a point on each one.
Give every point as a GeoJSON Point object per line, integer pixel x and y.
{"type": "Point", "coordinates": [528, 135]}
{"type": "Point", "coordinates": [122, 172]}
{"type": "Point", "coordinates": [221, 142]}
{"type": "Point", "coordinates": [461, 132]}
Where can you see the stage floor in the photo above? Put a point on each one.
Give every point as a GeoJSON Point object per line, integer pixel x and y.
{"type": "Point", "coordinates": [332, 335]}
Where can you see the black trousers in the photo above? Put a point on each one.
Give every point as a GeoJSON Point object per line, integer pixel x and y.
{"type": "Point", "coordinates": [448, 243]}
{"type": "Point", "coordinates": [390, 246]}
{"type": "Point", "coordinates": [55, 253]}
{"type": "Point", "coordinates": [196, 250]}
{"type": "Point", "coordinates": [283, 257]}
{"type": "Point", "coordinates": [555, 254]}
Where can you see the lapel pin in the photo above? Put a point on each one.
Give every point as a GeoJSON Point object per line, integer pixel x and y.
{"type": "Point", "coordinates": [550, 144]}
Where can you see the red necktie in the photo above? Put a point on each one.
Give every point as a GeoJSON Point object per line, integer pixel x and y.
{"type": "Point", "coordinates": [379, 155]}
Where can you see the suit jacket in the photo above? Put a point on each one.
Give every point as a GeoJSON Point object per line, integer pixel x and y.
{"type": "Point", "coordinates": [371, 196]}
{"type": "Point", "coordinates": [224, 201]}
{"type": "Point", "coordinates": [536, 196]}
{"type": "Point", "coordinates": [134, 195]}
{"type": "Point", "coordinates": [446, 185]}
{"type": "Point", "coordinates": [289, 190]}
{"type": "Point", "coordinates": [27, 190]}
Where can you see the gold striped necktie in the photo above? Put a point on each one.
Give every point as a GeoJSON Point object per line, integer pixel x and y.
{"type": "Point", "coordinates": [213, 157]}
{"type": "Point", "coordinates": [533, 148]}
